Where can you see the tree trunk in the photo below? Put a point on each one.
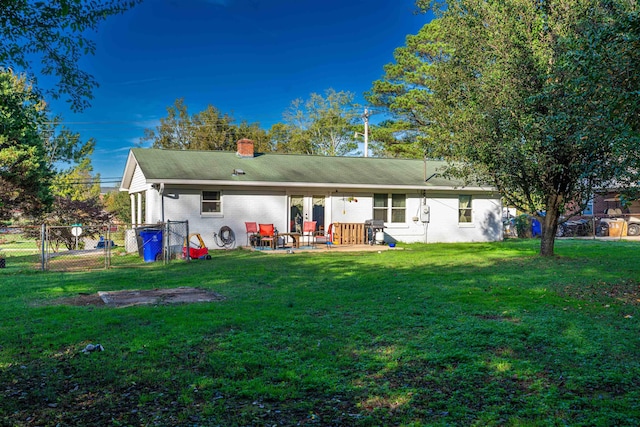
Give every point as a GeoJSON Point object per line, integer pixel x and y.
{"type": "Point", "coordinates": [550, 224]}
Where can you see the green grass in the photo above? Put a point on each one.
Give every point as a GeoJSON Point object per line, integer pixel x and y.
{"type": "Point", "coordinates": [473, 334]}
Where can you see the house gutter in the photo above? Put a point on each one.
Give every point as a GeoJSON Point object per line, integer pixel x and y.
{"type": "Point", "coordinates": [315, 185]}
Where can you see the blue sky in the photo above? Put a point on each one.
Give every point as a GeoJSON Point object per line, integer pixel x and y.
{"type": "Point", "coordinates": [248, 58]}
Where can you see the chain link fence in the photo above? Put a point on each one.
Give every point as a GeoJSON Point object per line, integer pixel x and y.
{"type": "Point", "coordinates": [162, 242]}
{"type": "Point", "coordinates": [69, 248]}
{"type": "Point", "coordinates": [91, 247]}
{"type": "Point", "coordinates": [20, 248]}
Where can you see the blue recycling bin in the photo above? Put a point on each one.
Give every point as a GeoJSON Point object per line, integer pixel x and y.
{"type": "Point", "coordinates": [151, 245]}
{"type": "Point", "coordinates": [536, 228]}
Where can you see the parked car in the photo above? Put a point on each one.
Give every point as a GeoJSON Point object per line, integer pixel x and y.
{"type": "Point", "coordinates": [633, 226]}
{"type": "Point", "coordinates": [575, 228]}
{"type": "Point", "coordinates": [103, 243]}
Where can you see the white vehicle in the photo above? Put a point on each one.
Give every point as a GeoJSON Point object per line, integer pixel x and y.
{"type": "Point", "coordinates": [615, 215]}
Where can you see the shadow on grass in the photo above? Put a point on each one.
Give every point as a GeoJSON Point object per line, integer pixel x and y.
{"type": "Point", "coordinates": [486, 334]}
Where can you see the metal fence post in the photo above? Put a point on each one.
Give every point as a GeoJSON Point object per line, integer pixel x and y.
{"type": "Point", "coordinates": [107, 248]}
{"type": "Point", "coordinates": [43, 239]}
{"type": "Point", "coordinates": [165, 243]}
{"type": "Point", "coordinates": [187, 242]}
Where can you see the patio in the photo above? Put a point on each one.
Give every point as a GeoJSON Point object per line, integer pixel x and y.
{"type": "Point", "coordinates": [324, 248]}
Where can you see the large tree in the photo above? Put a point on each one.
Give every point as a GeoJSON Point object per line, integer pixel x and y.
{"type": "Point", "coordinates": [55, 34]}
{"type": "Point", "coordinates": [118, 204]}
{"type": "Point", "coordinates": [326, 122]}
{"type": "Point", "coordinates": [209, 129]}
{"type": "Point", "coordinates": [77, 182]}
{"type": "Point", "coordinates": [406, 90]}
{"type": "Point", "coordinates": [39, 158]}
{"type": "Point", "coordinates": [395, 138]}
{"type": "Point", "coordinates": [289, 139]}
{"type": "Point", "coordinates": [25, 173]}
{"type": "Point", "coordinates": [538, 98]}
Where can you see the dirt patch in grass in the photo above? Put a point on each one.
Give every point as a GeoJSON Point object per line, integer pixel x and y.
{"type": "Point", "coordinates": [129, 298]}
{"type": "Point", "coordinates": [80, 300]}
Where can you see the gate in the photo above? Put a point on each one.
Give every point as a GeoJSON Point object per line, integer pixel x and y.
{"type": "Point", "coordinates": [77, 247]}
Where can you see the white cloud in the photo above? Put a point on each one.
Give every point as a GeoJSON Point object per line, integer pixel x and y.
{"type": "Point", "coordinates": [147, 123]}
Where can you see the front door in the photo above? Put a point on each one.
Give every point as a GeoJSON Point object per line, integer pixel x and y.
{"type": "Point", "coordinates": [306, 207]}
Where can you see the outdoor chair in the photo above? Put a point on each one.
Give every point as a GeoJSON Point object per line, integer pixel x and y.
{"type": "Point", "coordinates": [326, 238]}
{"type": "Point", "coordinates": [252, 233]}
{"type": "Point", "coordinates": [309, 230]}
{"type": "Point", "coordinates": [267, 235]}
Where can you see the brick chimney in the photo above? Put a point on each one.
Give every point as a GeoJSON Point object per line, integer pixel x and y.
{"type": "Point", "coordinates": [245, 148]}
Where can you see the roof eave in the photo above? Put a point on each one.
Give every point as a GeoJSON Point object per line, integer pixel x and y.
{"type": "Point", "coordinates": [129, 169]}
{"type": "Point", "coordinates": [425, 186]}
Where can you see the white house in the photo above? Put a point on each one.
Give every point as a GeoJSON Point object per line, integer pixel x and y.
{"type": "Point", "coordinates": [212, 189]}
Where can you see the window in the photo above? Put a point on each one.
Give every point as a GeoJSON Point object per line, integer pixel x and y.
{"type": "Point", "coordinates": [464, 209]}
{"type": "Point", "coordinates": [588, 209]}
{"type": "Point", "coordinates": [398, 207]}
{"type": "Point", "coordinates": [211, 202]}
{"type": "Point", "coordinates": [380, 207]}
{"type": "Point", "coordinates": [392, 206]}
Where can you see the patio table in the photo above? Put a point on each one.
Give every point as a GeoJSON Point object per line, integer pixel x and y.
{"type": "Point", "coordinates": [295, 237]}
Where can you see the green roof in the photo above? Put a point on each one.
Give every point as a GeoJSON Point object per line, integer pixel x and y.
{"type": "Point", "coordinates": [191, 166]}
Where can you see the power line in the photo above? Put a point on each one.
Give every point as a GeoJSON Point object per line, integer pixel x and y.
{"type": "Point", "coordinates": [88, 182]}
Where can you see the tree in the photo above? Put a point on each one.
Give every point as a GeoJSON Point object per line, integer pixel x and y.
{"type": "Point", "coordinates": [395, 138]}
{"type": "Point", "coordinates": [33, 146]}
{"type": "Point", "coordinates": [536, 98]}
{"type": "Point", "coordinates": [55, 34]}
{"type": "Point", "coordinates": [254, 132]}
{"type": "Point", "coordinates": [289, 139]}
{"type": "Point", "coordinates": [77, 183]}
{"type": "Point", "coordinates": [118, 204]}
{"type": "Point", "coordinates": [405, 91]}
{"type": "Point", "coordinates": [325, 122]}
{"type": "Point", "coordinates": [90, 213]}
{"type": "Point", "coordinates": [207, 130]}
{"type": "Point", "coordinates": [25, 173]}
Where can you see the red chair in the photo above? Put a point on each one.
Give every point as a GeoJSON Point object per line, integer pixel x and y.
{"type": "Point", "coordinates": [327, 238]}
{"type": "Point", "coordinates": [309, 230]}
{"type": "Point", "coordinates": [252, 231]}
{"type": "Point", "coordinates": [267, 234]}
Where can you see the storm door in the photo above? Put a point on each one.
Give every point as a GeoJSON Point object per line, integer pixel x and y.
{"type": "Point", "coordinates": [306, 207]}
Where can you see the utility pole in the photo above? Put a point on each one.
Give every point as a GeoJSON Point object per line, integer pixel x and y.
{"type": "Point", "coordinates": [365, 117]}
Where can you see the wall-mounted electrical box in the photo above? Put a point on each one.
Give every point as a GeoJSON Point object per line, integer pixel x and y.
{"type": "Point", "coordinates": [425, 213]}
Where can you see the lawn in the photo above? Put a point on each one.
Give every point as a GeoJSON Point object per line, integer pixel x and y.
{"type": "Point", "coordinates": [473, 334]}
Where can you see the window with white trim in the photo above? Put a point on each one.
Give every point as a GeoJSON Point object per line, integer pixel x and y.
{"type": "Point", "coordinates": [392, 206]}
{"type": "Point", "coordinates": [211, 202]}
{"type": "Point", "coordinates": [464, 210]}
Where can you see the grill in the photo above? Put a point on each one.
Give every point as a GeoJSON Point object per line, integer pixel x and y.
{"type": "Point", "coordinates": [375, 231]}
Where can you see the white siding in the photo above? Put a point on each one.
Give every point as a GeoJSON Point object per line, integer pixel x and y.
{"type": "Point", "coordinates": [153, 207]}
{"type": "Point", "coordinates": [271, 207]}
{"type": "Point", "coordinates": [268, 207]}
{"type": "Point", "coordinates": [138, 182]}
{"type": "Point", "coordinates": [444, 226]}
